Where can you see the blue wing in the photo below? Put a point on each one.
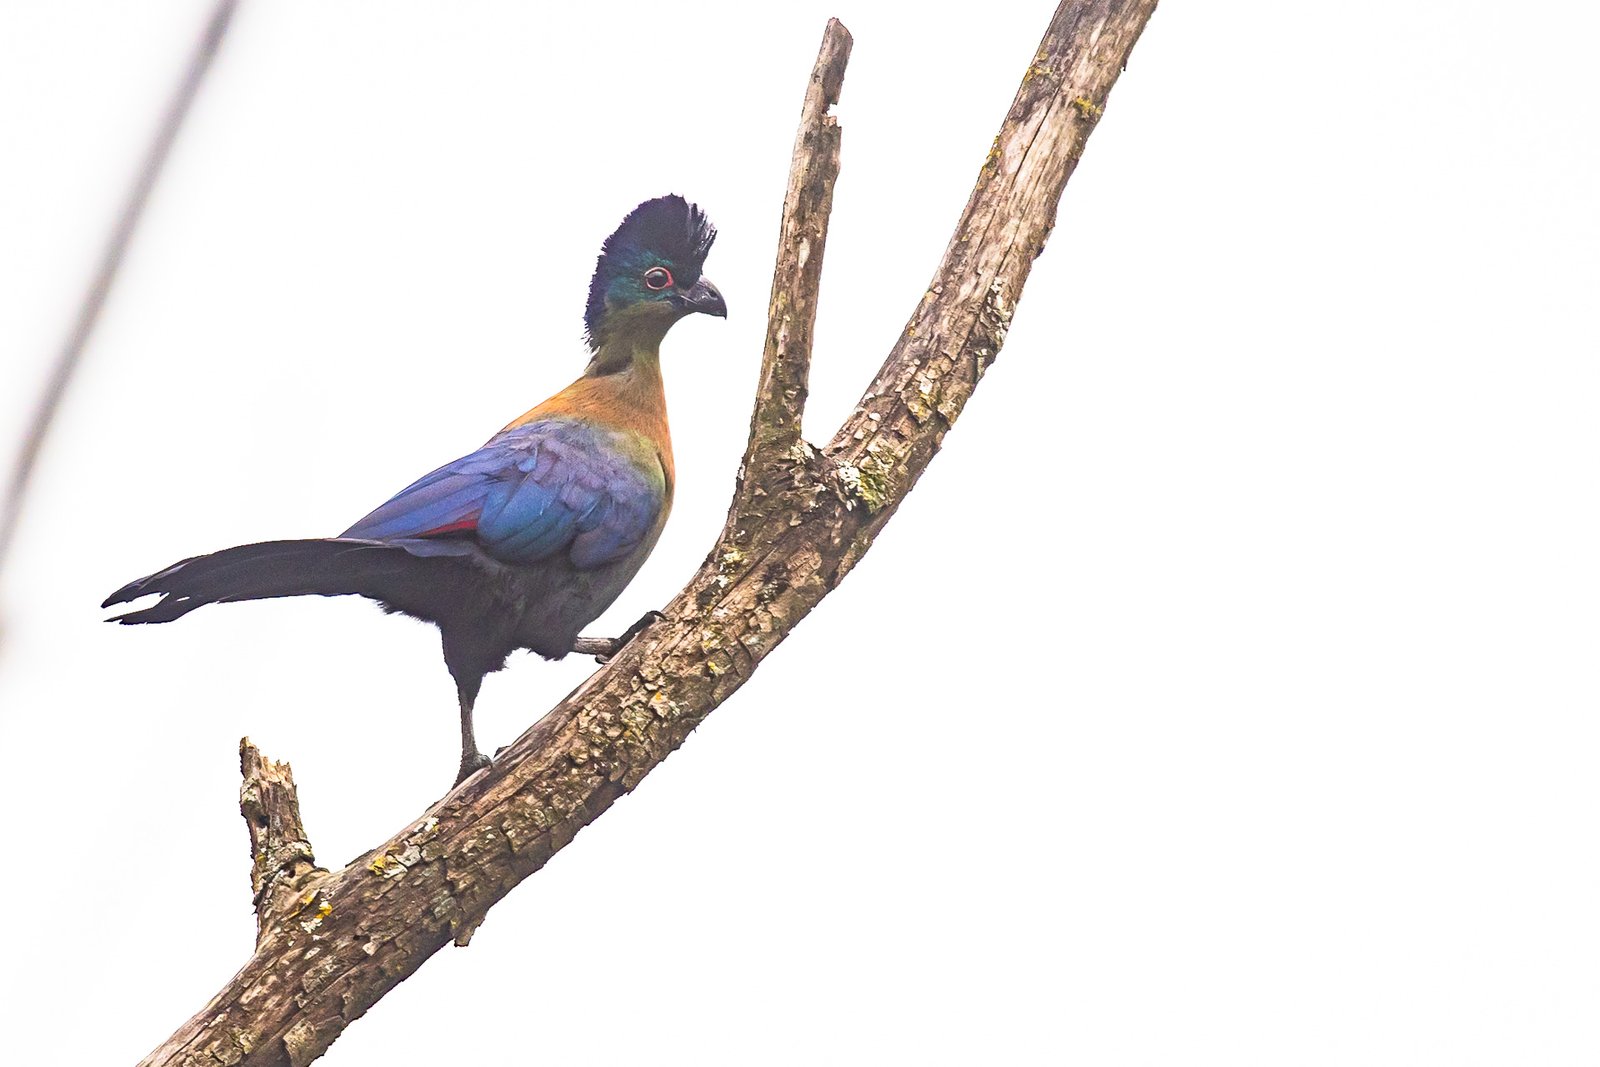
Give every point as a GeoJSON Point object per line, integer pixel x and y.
{"type": "Point", "coordinates": [551, 486]}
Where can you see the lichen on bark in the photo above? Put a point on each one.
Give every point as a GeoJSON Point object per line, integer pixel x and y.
{"type": "Point", "coordinates": [332, 944]}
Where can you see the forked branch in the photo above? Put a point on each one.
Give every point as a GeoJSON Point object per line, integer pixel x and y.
{"type": "Point", "coordinates": [800, 521]}
{"type": "Point", "coordinates": [797, 274]}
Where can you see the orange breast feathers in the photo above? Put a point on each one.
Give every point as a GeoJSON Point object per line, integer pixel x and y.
{"type": "Point", "coordinates": [630, 400]}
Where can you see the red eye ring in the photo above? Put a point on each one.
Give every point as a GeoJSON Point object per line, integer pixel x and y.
{"type": "Point", "coordinates": [657, 278]}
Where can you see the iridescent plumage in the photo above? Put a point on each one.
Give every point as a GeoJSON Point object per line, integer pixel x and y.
{"type": "Point", "coordinates": [526, 540]}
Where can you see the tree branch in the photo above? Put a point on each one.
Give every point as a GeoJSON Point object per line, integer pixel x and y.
{"type": "Point", "coordinates": [800, 521]}
{"type": "Point", "coordinates": [283, 873]}
{"type": "Point", "coordinates": [957, 329]}
{"type": "Point", "coordinates": [797, 274]}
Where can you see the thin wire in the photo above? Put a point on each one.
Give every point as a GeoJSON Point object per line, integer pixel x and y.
{"type": "Point", "coordinates": [89, 312]}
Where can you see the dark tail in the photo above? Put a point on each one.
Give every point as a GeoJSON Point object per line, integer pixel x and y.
{"type": "Point", "coordinates": [417, 585]}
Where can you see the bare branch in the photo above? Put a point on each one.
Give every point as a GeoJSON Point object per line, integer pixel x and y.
{"type": "Point", "coordinates": [800, 521]}
{"type": "Point", "coordinates": [797, 274]}
{"type": "Point", "coordinates": [67, 360]}
{"type": "Point", "coordinates": [283, 872]}
{"type": "Point", "coordinates": [958, 328]}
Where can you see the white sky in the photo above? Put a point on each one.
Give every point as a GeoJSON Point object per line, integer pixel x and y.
{"type": "Point", "coordinates": [1226, 693]}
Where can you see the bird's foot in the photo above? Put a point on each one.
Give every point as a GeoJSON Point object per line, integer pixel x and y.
{"type": "Point", "coordinates": [647, 620]}
{"type": "Point", "coordinates": [471, 763]}
{"type": "Point", "coordinates": [603, 648]}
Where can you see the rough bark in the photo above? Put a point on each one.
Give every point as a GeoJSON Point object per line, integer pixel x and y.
{"type": "Point", "coordinates": [802, 517]}
{"type": "Point", "coordinates": [284, 875]}
{"type": "Point", "coordinates": [797, 274]}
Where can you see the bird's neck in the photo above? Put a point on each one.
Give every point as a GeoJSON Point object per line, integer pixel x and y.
{"type": "Point", "coordinates": [628, 336]}
{"type": "Point", "coordinates": [622, 391]}
{"type": "Point", "coordinates": [625, 354]}
{"type": "Point", "coordinates": [629, 394]}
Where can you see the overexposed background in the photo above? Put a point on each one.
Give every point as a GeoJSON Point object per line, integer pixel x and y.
{"type": "Point", "coordinates": [1260, 727]}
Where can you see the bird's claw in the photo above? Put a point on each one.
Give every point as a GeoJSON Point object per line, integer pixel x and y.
{"type": "Point", "coordinates": [603, 649]}
{"type": "Point", "coordinates": [648, 619]}
{"type": "Point", "coordinates": [472, 764]}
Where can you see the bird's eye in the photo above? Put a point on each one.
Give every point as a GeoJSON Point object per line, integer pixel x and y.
{"type": "Point", "coordinates": [657, 278]}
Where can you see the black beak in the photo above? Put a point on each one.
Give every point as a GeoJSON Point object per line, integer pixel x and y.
{"type": "Point", "coordinates": [704, 298]}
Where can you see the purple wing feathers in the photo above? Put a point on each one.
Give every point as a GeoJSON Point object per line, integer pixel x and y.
{"type": "Point", "coordinates": [540, 489]}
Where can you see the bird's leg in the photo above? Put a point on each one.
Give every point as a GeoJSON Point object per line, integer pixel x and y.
{"type": "Point", "coordinates": [603, 648]}
{"type": "Point", "coordinates": [471, 759]}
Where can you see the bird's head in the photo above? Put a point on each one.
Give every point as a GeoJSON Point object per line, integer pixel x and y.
{"type": "Point", "coordinates": [648, 276]}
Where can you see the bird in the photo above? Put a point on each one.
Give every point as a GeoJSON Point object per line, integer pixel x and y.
{"type": "Point", "coordinates": [525, 541]}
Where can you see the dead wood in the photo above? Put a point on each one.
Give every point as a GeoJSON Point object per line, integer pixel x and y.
{"type": "Point", "coordinates": [802, 517]}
